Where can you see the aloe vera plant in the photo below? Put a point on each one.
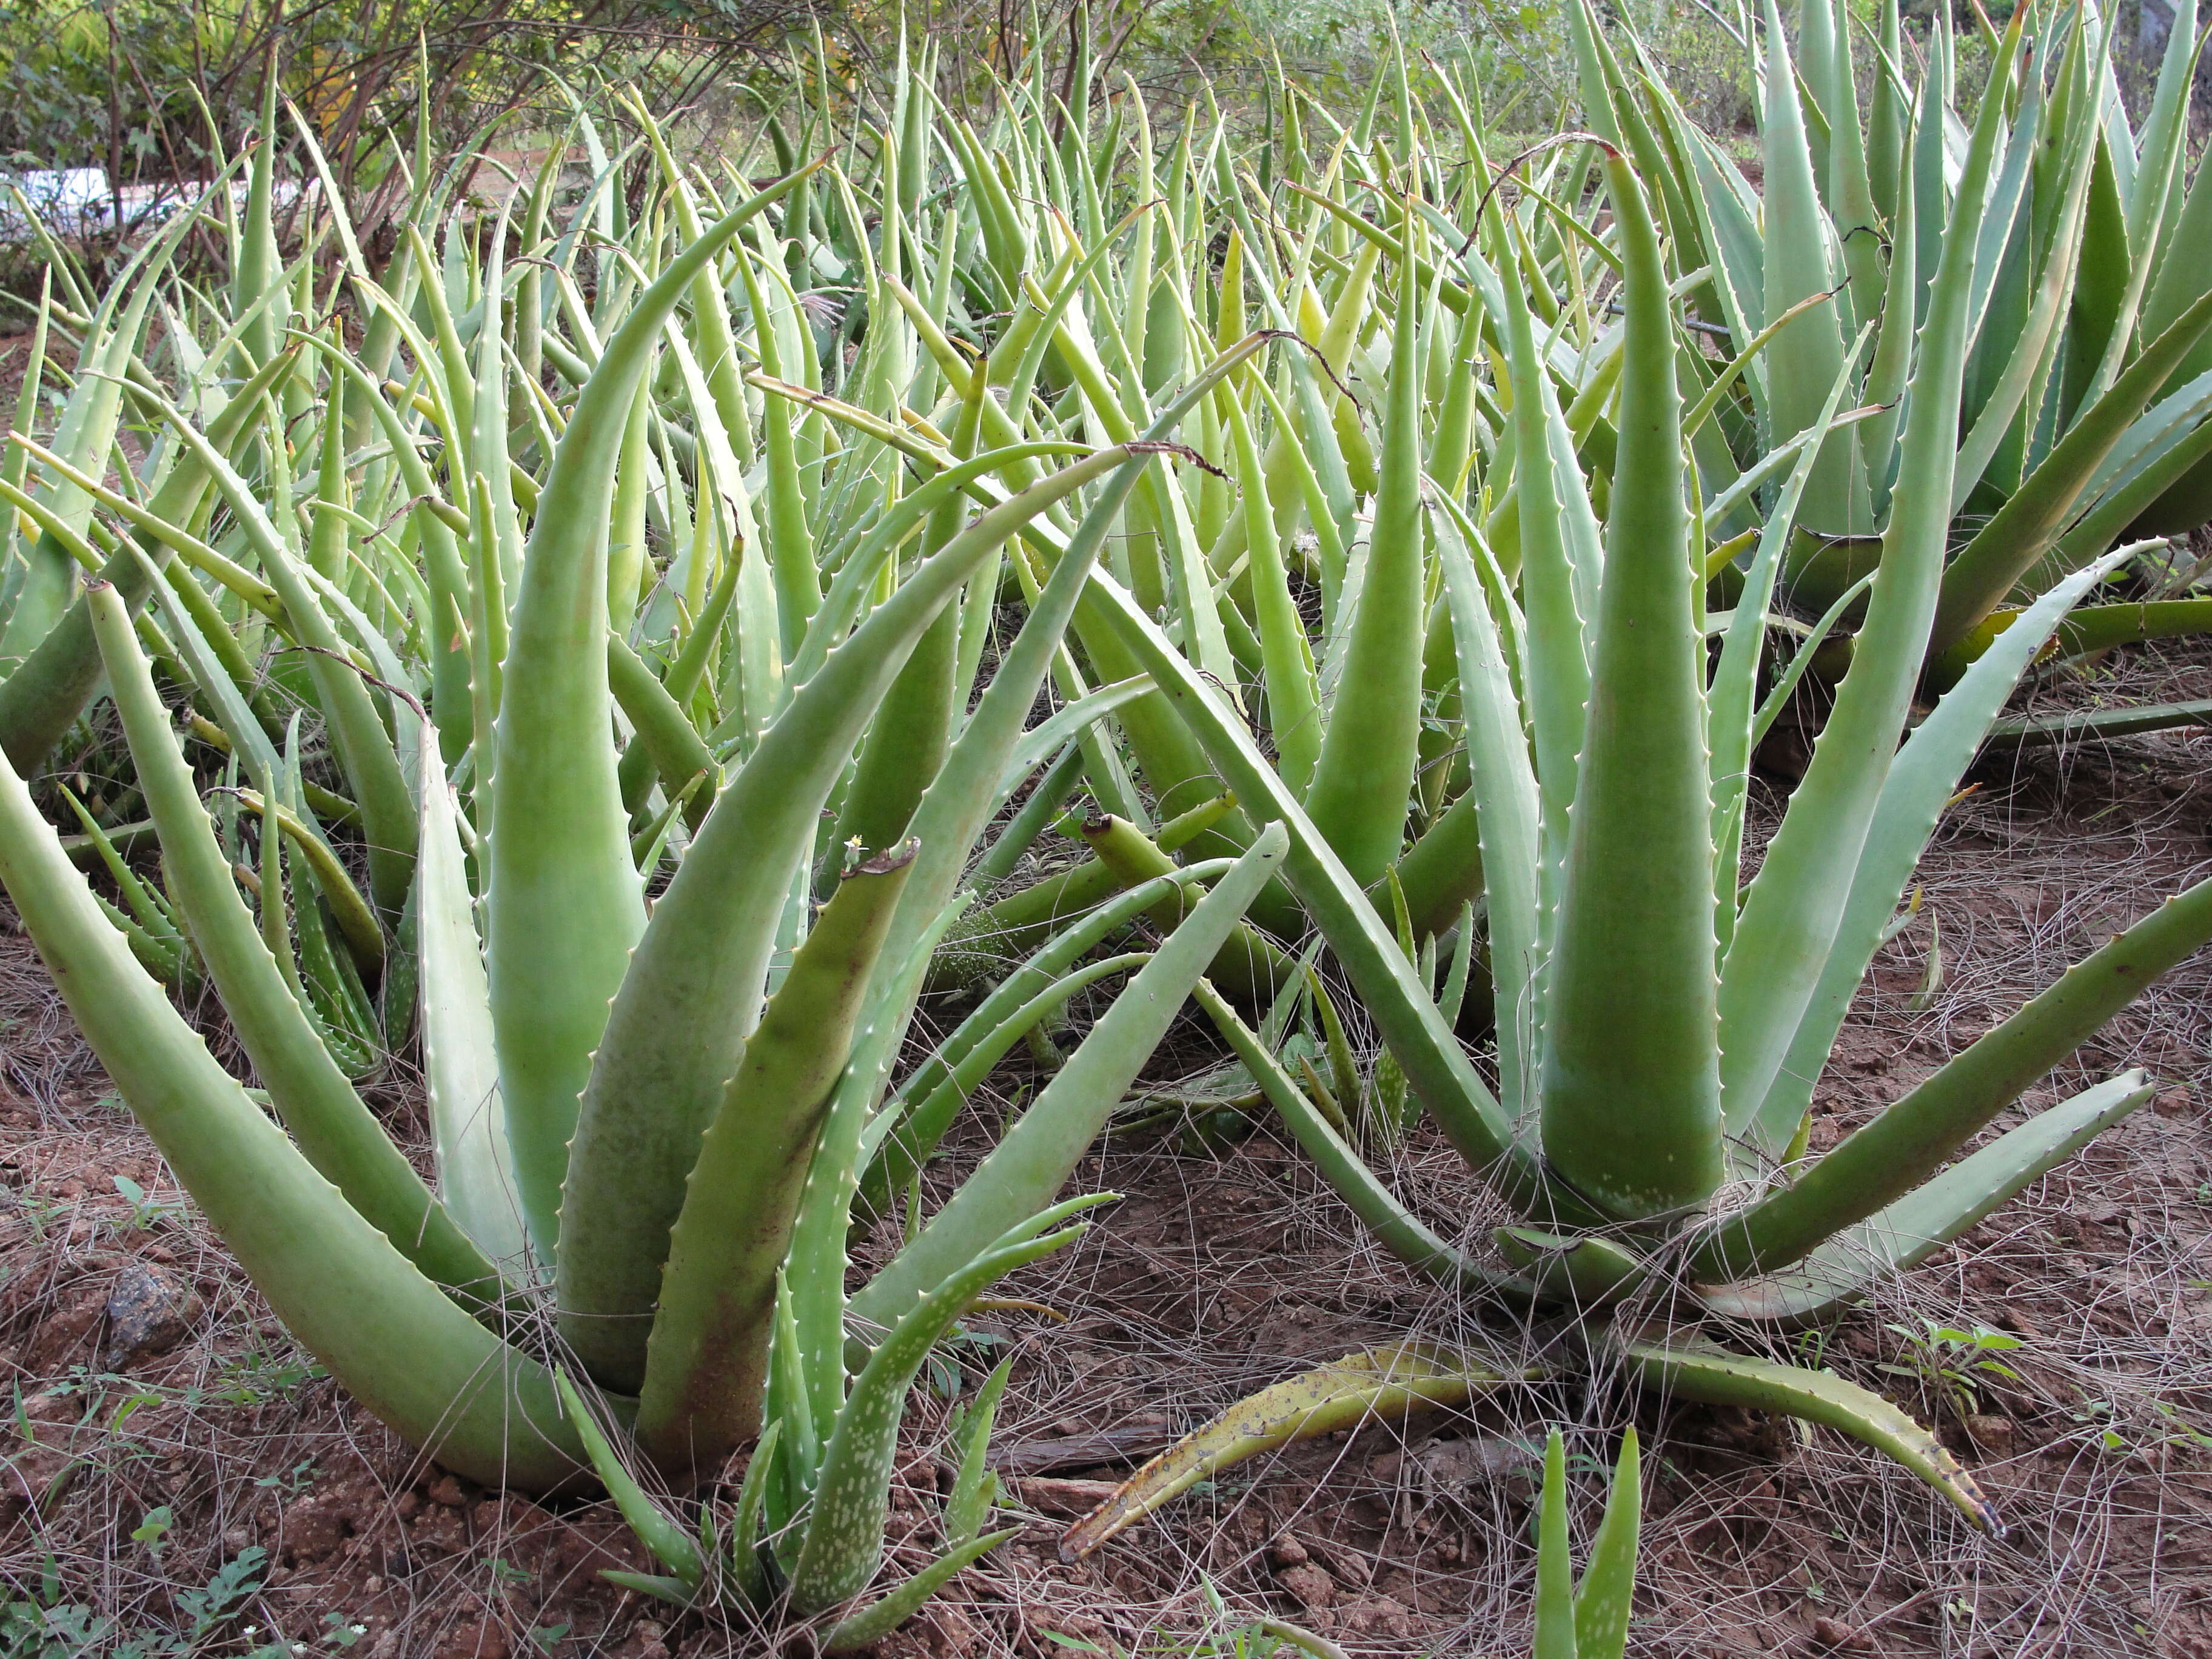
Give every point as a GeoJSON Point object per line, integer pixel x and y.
{"type": "Point", "coordinates": [625, 728]}
{"type": "Point", "coordinates": [2087, 329]}
{"type": "Point", "coordinates": [1661, 1023]}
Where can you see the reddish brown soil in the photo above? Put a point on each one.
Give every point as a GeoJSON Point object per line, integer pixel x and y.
{"type": "Point", "coordinates": [1226, 1269]}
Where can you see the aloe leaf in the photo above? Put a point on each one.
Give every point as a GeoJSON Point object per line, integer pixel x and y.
{"type": "Point", "coordinates": [487, 403]}
{"type": "Point", "coordinates": [673, 745]}
{"type": "Point", "coordinates": [974, 1488]}
{"type": "Point", "coordinates": [1556, 1636]}
{"type": "Point", "coordinates": [2131, 494]}
{"type": "Point", "coordinates": [87, 432]}
{"type": "Point", "coordinates": [1043, 1148]}
{"type": "Point", "coordinates": [707, 1358]}
{"type": "Point", "coordinates": [358, 736]}
{"type": "Point", "coordinates": [444, 573]}
{"type": "Point", "coordinates": [2023, 529]}
{"type": "Point", "coordinates": [1162, 747]}
{"type": "Point", "coordinates": [906, 743]}
{"type": "Point", "coordinates": [1389, 1381]}
{"type": "Point", "coordinates": [1293, 696]}
{"type": "Point", "coordinates": [356, 920]}
{"type": "Point", "coordinates": [864, 1629]}
{"type": "Point", "coordinates": [1849, 187]}
{"type": "Point", "coordinates": [725, 508]}
{"type": "Point", "coordinates": [1801, 659]}
{"type": "Point", "coordinates": [1883, 1160]}
{"type": "Point", "coordinates": [1434, 1063]}
{"type": "Point", "coordinates": [2095, 628]}
{"type": "Point", "coordinates": [1252, 968]}
{"type": "Point", "coordinates": [338, 1134]}
{"type": "Point", "coordinates": [1932, 162]}
{"type": "Point", "coordinates": [460, 1066]}
{"type": "Point", "coordinates": [708, 316]}
{"type": "Point", "coordinates": [150, 914]}
{"type": "Point", "coordinates": [659, 1586]}
{"type": "Point", "coordinates": [1908, 1231]}
{"type": "Point", "coordinates": [398, 1345]}
{"type": "Point", "coordinates": [1398, 1229]}
{"type": "Point", "coordinates": [1589, 74]}
{"type": "Point", "coordinates": [1602, 1598]}
{"type": "Point", "coordinates": [960, 802]}
{"type": "Point", "coordinates": [1364, 772]}
{"type": "Point", "coordinates": [849, 588]}
{"type": "Point", "coordinates": [41, 698]}
{"type": "Point", "coordinates": [748, 1571]}
{"type": "Point", "coordinates": [1629, 1086]}
{"type": "Point", "coordinates": [1507, 811]}
{"type": "Point", "coordinates": [2029, 337]}
{"type": "Point", "coordinates": [568, 907]}
{"type": "Point", "coordinates": [929, 1098]}
{"type": "Point", "coordinates": [1345, 1090]}
{"type": "Point", "coordinates": [1053, 733]}
{"type": "Point", "coordinates": [2182, 277]}
{"type": "Point", "coordinates": [924, 1125]}
{"type": "Point", "coordinates": [2076, 724]}
{"type": "Point", "coordinates": [1921, 781]}
{"type": "Point", "coordinates": [337, 1002]}
{"type": "Point", "coordinates": [672, 1544]}
{"type": "Point", "coordinates": [845, 1525]}
{"type": "Point", "coordinates": [1886, 119]}
{"type": "Point", "coordinates": [1047, 801]}
{"type": "Point", "coordinates": [1442, 872]}
{"type": "Point", "coordinates": [1894, 350]}
{"type": "Point", "coordinates": [1692, 1369]}
{"type": "Point", "coordinates": [692, 992]}
{"type": "Point", "coordinates": [1788, 923]}
{"type": "Point", "coordinates": [1808, 355]}
{"type": "Point", "coordinates": [790, 1411]}
{"type": "Point", "coordinates": [1549, 492]}
{"type": "Point", "coordinates": [259, 263]}
{"type": "Point", "coordinates": [1732, 720]}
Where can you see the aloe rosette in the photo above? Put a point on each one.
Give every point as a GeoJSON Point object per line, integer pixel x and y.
{"type": "Point", "coordinates": [1661, 1025]}
{"type": "Point", "coordinates": [537, 724]}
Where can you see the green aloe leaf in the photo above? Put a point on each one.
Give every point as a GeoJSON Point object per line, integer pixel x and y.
{"type": "Point", "coordinates": [1692, 1369]}
{"type": "Point", "coordinates": [568, 907]}
{"type": "Point", "coordinates": [706, 1347]}
{"type": "Point", "coordinates": [1903, 1234]}
{"type": "Point", "coordinates": [391, 1337]}
{"type": "Point", "coordinates": [1603, 1597]}
{"type": "Point", "coordinates": [672, 1543]}
{"type": "Point", "coordinates": [1921, 783]}
{"type": "Point", "coordinates": [844, 1539]}
{"type": "Point", "coordinates": [1629, 1089]}
{"type": "Point", "coordinates": [461, 1065]}
{"type": "Point", "coordinates": [1384, 1382]}
{"type": "Point", "coordinates": [1787, 924]}
{"type": "Point", "coordinates": [864, 1629]}
{"type": "Point", "coordinates": [1556, 1636]}
{"type": "Point", "coordinates": [1368, 751]}
{"type": "Point", "coordinates": [1043, 1148]}
{"type": "Point", "coordinates": [692, 992]}
{"type": "Point", "coordinates": [337, 1131]}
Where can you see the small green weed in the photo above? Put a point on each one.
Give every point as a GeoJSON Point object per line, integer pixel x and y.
{"type": "Point", "coordinates": [1952, 1364]}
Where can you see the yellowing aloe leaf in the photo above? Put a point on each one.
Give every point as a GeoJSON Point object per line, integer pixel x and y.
{"type": "Point", "coordinates": [1384, 1382]}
